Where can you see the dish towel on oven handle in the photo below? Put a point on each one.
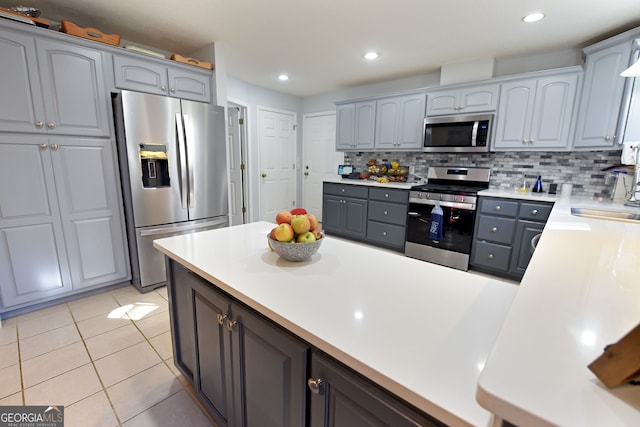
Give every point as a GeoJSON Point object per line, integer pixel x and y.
{"type": "Point", "coordinates": [436, 226]}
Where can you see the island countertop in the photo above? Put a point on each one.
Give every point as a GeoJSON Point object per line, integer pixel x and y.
{"type": "Point", "coordinates": [419, 330]}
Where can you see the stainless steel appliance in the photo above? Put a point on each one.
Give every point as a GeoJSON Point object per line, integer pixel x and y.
{"type": "Point", "coordinates": [457, 134]}
{"type": "Point", "coordinates": [456, 188]}
{"type": "Point", "coordinates": [173, 165]}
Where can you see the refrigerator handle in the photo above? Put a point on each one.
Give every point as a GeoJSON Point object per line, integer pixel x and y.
{"type": "Point", "coordinates": [183, 161]}
{"type": "Point", "coordinates": [188, 131]}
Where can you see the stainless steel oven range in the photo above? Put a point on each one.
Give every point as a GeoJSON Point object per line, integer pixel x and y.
{"type": "Point", "coordinates": [456, 188]}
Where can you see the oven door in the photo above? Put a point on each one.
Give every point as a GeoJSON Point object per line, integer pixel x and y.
{"type": "Point", "coordinates": [458, 226]}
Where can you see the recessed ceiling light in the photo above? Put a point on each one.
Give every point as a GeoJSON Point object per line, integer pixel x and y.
{"type": "Point", "coordinates": [370, 56]}
{"type": "Point", "coordinates": [533, 17]}
{"type": "Point", "coordinates": [283, 77]}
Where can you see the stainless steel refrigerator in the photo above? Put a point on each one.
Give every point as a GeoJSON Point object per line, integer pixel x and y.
{"type": "Point", "coordinates": [173, 166]}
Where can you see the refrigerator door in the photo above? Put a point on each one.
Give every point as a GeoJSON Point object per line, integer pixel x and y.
{"type": "Point", "coordinates": [157, 183]}
{"type": "Point", "coordinates": [206, 158]}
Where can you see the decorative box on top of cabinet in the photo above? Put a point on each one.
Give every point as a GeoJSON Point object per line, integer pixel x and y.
{"type": "Point", "coordinates": [51, 87]}
{"type": "Point", "coordinates": [536, 113]}
{"type": "Point", "coordinates": [355, 126]}
{"type": "Point", "coordinates": [399, 121]}
{"type": "Point", "coordinates": [156, 76]}
{"type": "Point", "coordinates": [463, 100]}
{"type": "Point", "coordinates": [506, 233]}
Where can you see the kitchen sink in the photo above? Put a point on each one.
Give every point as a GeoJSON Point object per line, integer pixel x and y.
{"type": "Point", "coordinates": [606, 215]}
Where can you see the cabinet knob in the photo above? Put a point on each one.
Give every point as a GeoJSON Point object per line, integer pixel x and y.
{"type": "Point", "coordinates": [264, 175]}
{"type": "Point", "coordinates": [43, 146]}
{"type": "Point", "coordinates": [607, 138]}
{"type": "Point", "coordinates": [231, 324]}
{"type": "Point", "coordinates": [384, 233]}
{"type": "Point", "coordinates": [386, 195]}
{"type": "Point", "coordinates": [39, 124]}
{"type": "Point", "coordinates": [163, 87]}
{"type": "Point", "coordinates": [173, 90]}
{"type": "Point", "coordinates": [498, 207]}
{"type": "Point", "coordinates": [54, 146]}
{"type": "Point", "coordinates": [491, 256]}
{"type": "Point", "coordinates": [534, 212]}
{"type": "Point", "coordinates": [343, 190]}
{"type": "Point", "coordinates": [494, 229]}
{"type": "Point", "coordinates": [221, 318]}
{"type": "Point", "coordinates": [51, 125]}
{"type": "Point", "coordinates": [315, 385]}
{"type": "Point", "coordinates": [386, 213]}
{"type": "Point", "coordinates": [531, 141]}
{"type": "Point", "coordinates": [524, 141]}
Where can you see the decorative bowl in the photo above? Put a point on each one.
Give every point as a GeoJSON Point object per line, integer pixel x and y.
{"type": "Point", "coordinates": [294, 251]}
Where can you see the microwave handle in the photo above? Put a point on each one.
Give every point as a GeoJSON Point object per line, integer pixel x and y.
{"type": "Point", "coordinates": [474, 133]}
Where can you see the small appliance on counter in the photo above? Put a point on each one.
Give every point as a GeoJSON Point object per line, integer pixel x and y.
{"type": "Point", "coordinates": [348, 171]}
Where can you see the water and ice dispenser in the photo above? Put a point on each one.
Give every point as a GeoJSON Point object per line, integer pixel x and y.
{"type": "Point", "coordinates": [154, 163]}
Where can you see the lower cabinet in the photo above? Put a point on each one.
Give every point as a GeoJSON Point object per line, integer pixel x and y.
{"type": "Point", "coordinates": [344, 210]}
{"type": "Point", "coordinates": [339, 398]}
{"type": "Point", "coordinates": [246, 371]}
{"type": "Point", "coordinates": [506, 233]}
{"type": "Point", "coordinates": [387, 217]}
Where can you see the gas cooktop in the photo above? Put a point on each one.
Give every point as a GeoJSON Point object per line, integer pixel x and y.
{"type": "Point", "coordinates": [455, 180]}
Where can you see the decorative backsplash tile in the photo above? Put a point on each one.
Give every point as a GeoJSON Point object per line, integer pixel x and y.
{"type": "Point", "coordinates": [582, 169]}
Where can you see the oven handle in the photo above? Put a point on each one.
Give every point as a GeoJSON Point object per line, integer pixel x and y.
{"type": "Point", "coordinates": [457, 205]}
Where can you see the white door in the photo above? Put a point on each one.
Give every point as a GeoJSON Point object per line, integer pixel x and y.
{"type": "Point", "coordinates": [277, 145]}
{"type": "Point", "coordinates": [236, 130]}
{"type": "Point", "coordinates": [321, 159]}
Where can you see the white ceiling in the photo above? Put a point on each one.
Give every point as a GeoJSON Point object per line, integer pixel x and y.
{"type": "Point", "coordinates": [319, 44]}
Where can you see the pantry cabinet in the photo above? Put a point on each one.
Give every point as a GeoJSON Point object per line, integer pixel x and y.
{"type": "Point", "coordinates": [536, 113]}
{"type": "Point", "coordinates": [155, 76]}
{"type": "Point", "coordinates": [472, 99]}
{"type": "Point", "coordinates": [399, 122]}
{"type": "Point", "coordinates": [355, 126]}
{"type": "Point", "coordinates": [51, 87]}
{"type": "Point", "coordinates": [246, 370]}
{"type": "Point", "coordinates": [60, 218]}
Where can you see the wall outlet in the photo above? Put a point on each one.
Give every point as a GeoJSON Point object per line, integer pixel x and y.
{"type": "Point", "coordinates": [412, 170]}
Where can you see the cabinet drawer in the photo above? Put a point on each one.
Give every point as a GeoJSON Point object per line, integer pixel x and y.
{"type": "Point", "coordinates": [387, 234]}
{"type": "Point", "coordinates": [535, 211]}
{"type": "Point", "coordinates": [388, 212]}
{"type": "Point", "coordinates": [346, 190]}
{"type": "Point", "coordinates": [498, 207]}
{"type": "Point", "coordinates": [387, 195]}
{"type": "Point", "coordinates": [496, 229]}
{"type": "Point", "coordinates": [491, 255]}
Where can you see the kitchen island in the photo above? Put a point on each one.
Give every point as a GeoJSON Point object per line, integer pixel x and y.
{"type": "Point", "coordinates": [418, 330]}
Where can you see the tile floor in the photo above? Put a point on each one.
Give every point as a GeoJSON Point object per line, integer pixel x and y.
{"type": "Point", "coordinates": [107, 358]}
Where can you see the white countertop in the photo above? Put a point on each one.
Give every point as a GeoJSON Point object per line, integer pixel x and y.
{"type": "Point", "coordinates": [370, 183]}
{"type": "Point", "coordinates": [580, 292]}
{"type": "Point", "coordinates": [512, 194]}
{"type": "Point", "coordinates": [420, 330]}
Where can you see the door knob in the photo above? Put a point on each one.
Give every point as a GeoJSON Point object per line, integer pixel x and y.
{"type": "Point", "coordinates": [264, 175]}
{"type": "Point", "coordinates": [306, 174]}
{"type": "Point", "coordinates": [315, 385]}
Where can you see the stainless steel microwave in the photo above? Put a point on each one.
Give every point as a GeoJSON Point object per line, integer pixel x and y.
{"type": "Point", "coordinates": [457, 134]}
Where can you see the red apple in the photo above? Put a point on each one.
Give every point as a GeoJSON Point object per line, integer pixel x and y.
{"type": "Point", "coordinates": [317, 233]}
{"type": "Point", "coordinates": [300, 224]}
{"type": "Point", "coordinates": [313, 220]}
{"type": "Point", "coordinates": [272, 235]}
{"type": "Point", "coordinates": [284, 232]}
{"type": "Point", "coordinates": [307, 237]}
{"type": "Point", "coordinates": [284, 217]}
{"type": "Point", "coordinates": [298, 211]}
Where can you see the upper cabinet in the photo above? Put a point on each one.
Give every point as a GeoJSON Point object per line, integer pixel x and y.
{"type": "Point", "coordinates": [157, 77]}
{"type": "Point", "coordinates": [355, 126]}
{"type": "Point", "coordinates": [68, 99]}
{"type": "Point", "coordinates": [470, 99]}
{"type": "Point", "coordinates": [602, 109]}
{"type": "Point", "coordinates": [536, 113]}
{"type": "Point", "coordinates": [399, 122]}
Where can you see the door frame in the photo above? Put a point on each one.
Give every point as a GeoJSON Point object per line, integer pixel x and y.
{"type": "Point", "coordinates": [246, 156]}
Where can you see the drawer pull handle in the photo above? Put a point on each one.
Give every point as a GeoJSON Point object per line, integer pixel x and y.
{"type": "Point", "coordinates": [494, 229]}
{"type": "Point", "coordinates": [534, 212]}
{"type": "Point", "coordinates": [498, 207]}
{"type": "Point", "coordinates": [491, 256]}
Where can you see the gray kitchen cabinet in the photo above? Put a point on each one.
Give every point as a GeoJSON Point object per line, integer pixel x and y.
{"type": "Point", "coordinates": [536, 114]}
{"type": "Point", "coordinates": [505, 235]}
{"type": "Point", "coordinates": [462, 100]}
{"type": "Point", "coordinates": [246, 370]}
{"type": "Point", "coordinates": [150, 75]}
{"type": "Point", "coordinates": [344, 210]}
{"type": "Point", "coordinates": [399, 122]}
{"type": "Point", "coordinates": [60, 218]}
{"type": "Point", "coordinates": [600, 112]}
{"type": "Point", "coordinates": [339, 398]}
{"type": "Point", "coordinates": [51, 87]}
{"type": "Point", "coordinates": [355, 126]}
{"type": "Point", "coordinates": [387, 217]}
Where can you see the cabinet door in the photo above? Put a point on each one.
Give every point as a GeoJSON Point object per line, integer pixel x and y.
{"type": "Point", "coordinates": [21, 108]}
{"type": "Point", "coordinates": [345, 126]}
{"type": "Point", "coordinates": [388, 113]}
{"type": "Point", "coordinates": [339, 398]}
{"type": "Point", "coordinates": [553, 110]}
{"type": "Point", "coordinates": [355, 217]}
{"type": "Point", "coordinates": [443, 102]}
{"type": "Point", "coordinates": [212, 376]}
{"type": "Point", "coordinates": [409, 128]}
{"type": "Point", "coordinates": [527, 234]}
{"type": "Point", "coordinates": [73, 89]}
{"type": "Point", "coordinates": [365, 125]}
{"type": "Point", "coordinates": [189, 85]}
{"type": "Point", "coordinates": [179, 290]}
{"type": "Point", "coordinates": [33, 256]}
{"type": "Point", "coordinates": [513, 126]}
{"type": "Point", "coordinates": [140, 75]}
{"type": "Point", "coordinates": [477, 99]}
{"type": "Point", "coordinates": [601, 97]}
{"type": "Point", "coordinates": [90, 206]}
{"type": "Point", "coordinates": [270, 378]}
{"type": "Point", "coordinates": [332, 214]}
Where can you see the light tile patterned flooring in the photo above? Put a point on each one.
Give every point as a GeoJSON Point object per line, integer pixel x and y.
{"type": "Point", "coordinates": [107, 358]}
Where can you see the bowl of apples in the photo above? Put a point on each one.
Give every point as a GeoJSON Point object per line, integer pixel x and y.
{"type": "Point", "coordinates": [297, 236]}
